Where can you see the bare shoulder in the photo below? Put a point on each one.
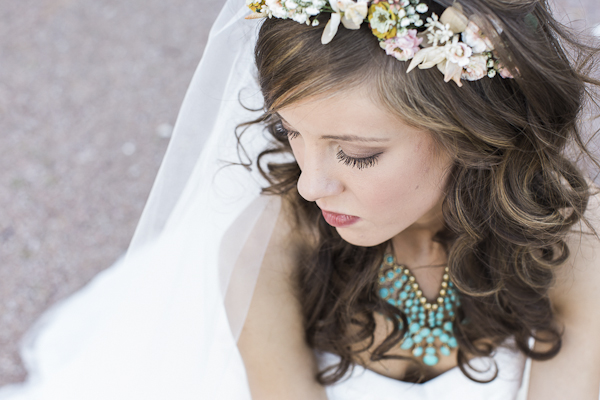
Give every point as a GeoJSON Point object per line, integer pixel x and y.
{"type": "Point", "coordinates": [279, 363]}
{"type": "Point", "coordinates": [578, 279]}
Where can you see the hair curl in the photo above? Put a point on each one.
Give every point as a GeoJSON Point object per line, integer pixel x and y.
{"type": "Point", "coordinates": [512, 196]}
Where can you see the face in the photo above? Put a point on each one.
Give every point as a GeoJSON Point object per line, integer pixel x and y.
{"type": "Point", "coordinates": [373, 176]}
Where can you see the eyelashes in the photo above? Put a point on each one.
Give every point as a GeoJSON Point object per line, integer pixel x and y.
{"type": "Point", "coordinates": [360, 163]}
{"type": "Point", "coordinates": [354, 162]}
{"type": "Point", "coordinates": [285, 133]}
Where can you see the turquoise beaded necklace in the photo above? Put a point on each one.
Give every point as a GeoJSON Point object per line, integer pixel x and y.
{"type": "Point", "coordinates": [429, 332]}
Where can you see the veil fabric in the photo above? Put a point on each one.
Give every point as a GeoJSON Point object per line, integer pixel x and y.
{"type": "Point", "coordinates": [163, 322]}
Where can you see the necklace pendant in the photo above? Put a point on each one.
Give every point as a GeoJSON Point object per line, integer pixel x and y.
{"type": "Point", "coordinates": [430, 333]}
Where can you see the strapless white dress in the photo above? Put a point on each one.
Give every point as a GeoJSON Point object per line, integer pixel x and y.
{"type": "Point", "coordinates": [155, 328]}
{"type": "Point", "coordinates": [364, 384]}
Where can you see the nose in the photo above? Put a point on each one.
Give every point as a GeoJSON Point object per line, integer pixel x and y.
{"type": "Point", "coordinates": [318, 179]}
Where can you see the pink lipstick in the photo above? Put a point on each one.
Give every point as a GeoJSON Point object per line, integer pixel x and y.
{"type": "Point", "coordinates": [339, 220]}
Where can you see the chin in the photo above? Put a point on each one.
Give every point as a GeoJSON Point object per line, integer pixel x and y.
{"type": "Point", "coordinates": [358, 239]}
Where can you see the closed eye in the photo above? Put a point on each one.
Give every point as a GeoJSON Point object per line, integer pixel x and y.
{"type": "Point", "coordinates": [355, 162]}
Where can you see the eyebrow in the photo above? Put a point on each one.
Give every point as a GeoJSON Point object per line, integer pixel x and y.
{"type": "Point", "coordinates": [344, 138]}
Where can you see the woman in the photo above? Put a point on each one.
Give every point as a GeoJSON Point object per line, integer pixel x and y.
{"type": "Point", "coordinates": [428, 227]}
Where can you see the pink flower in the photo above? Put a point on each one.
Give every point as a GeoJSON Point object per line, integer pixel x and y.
{"type": "Point", "coordinates": [504, 72]}
{"type": "Point", "coordinates": [474, 37]}
{"type": "Point", "coordinates": [404, 47]}
{"type": "Point", "coordinates": [476, 68]}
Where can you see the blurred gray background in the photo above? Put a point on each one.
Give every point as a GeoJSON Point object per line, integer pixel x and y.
{"type": "Point", "coordinates": [89, 92]}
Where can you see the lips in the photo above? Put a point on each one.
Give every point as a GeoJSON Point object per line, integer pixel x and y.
{"type": "Point", "coordinates": [339, 220]}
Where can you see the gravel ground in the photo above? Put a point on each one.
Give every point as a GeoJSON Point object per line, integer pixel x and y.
{"type": "Point", "coordinates": [89, 91]}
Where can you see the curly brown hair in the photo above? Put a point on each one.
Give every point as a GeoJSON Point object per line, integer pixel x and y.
{"type": "Point", "coordinates": [513, 193]}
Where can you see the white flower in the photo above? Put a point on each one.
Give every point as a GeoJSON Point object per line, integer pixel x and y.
{"type": "Point", "coordinates": [476, 68]}
{"type": "Point", "coordinates": [401, 13]}
{"type": "Point", "coordinates": [291, 5]}
{"type": "Point", "coordinates": [354, 12]}
{"type": "Point", "coordinates": [312, 10]}
{"type": "Point", "coordinates": [436, 31]}
{"type": "Point", "coordinates": [404, 3]}
{"type": "Point", "coordinates": [475, 38]}
{"type": "Point", "coordinates": [276, 8]}
{"type": "Point", "coordinates": [458, 52]}
{"type": "Point", "coordinates": [422, 8]}
{"type": "Point", "coordinates": [349, 12]}
{"type": "Point", "coordinates": [382, 20]}
{"type": "Point", "coordinates": [410, 10]}
{"type": "Point", "coordinates": [405, 22]}
{"type": "Point", "coordinates": [300, 17]}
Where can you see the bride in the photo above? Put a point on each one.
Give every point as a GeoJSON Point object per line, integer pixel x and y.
{"type": "Point", "coordinates": [398, 215]}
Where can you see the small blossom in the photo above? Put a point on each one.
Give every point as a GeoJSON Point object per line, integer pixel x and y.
{"type": "Point", "coordinates": [474, 37]}
{"type": "Point", "coordinates": [255, 5]}
{"type": "Point", "coordinates": [405, 47]}
{"type": "Point", "coordinates": [354, 12]}
{"type": "Point", "coordinates": [421, 8]}
{"type": "Point", "coordinates": [410, 10]}
{"type": "Point", "coordinates": [382, 20]}
{"type": "Point", "coordinates": [458, 52]}
{"type": "Point", "coordinates": [491, 73]}
{"type": "Point", "coordinates": [476, 68]}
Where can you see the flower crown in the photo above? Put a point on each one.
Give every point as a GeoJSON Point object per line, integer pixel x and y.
{"type": "Point", "coordinates": [454, 44]}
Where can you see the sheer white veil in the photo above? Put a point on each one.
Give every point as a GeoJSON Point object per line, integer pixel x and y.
{"type": "Point", "coordinates": [163, 322]}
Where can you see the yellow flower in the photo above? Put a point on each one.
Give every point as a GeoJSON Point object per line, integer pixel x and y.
{"type": "Point", "coordinates": [255, 6]}
{"type": "Point", "coordinates": [383, 20]}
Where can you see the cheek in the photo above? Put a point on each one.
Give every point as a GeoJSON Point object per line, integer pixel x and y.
{"type": "Point", "coordinates": [409, 185]}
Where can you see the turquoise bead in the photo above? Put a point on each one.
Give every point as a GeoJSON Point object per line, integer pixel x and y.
{"type": "Point", "coordinates": [444, 337]}
{"type": "Point", "coordinates": [448, 326]}
{"type": "Point", "coordinates": [439, 315]}
{"type": "Point", "coordinates": [383, 292]}
{"type": "Point", "coordinates": [445, 350]}
{"type": "Point", "coordinates": [452, 342]}
{"type": "Point", "coordinates": [407, 288]}
{"type": "Point", "coordinates": [430, 359]}
{"type": "Point", "coordinates": [392, 302]}
{"type": "Point", "coordinates": [430, 350]}
{"type": "Point", "coordinates": [422, 316]}
{"type": "Point", "coordinates": [404, 278]}
{"type": "Point", "coordinates": [430, 339]}
{"type": "Point", "coordinates": [414, 327]}
{"type": "Point", "coordinates": [448, 306]}
{"type": "Point", "coordinates": [417, 351]}
{"type": "Point", "coordinates": [403, 295]}
{"type": "Point", "coordinates": [425, 332]}
{"type": "Point", "coordinates": [408, 303]}
{"type": "Point", "coordinates": [436, 332]}
{"type": "Point", "coordinates": [390, 259]}
{"type": "Point", "coordinates": [451, 314]}
{"type": "Point", "coordinates": [390, 275]}
{"type": "Point", "coordinates": [406, 311]}
{"type": "Point", "coordinates": [407, 343]}
{"type": "Point", "coordinates": [382, 279]}
{"type": "Point", "coordinates": [414, 309]}
{"type": "Point", "coordinates": [418, 339]}
{"type": "Point", "coordinates": [398, 284]}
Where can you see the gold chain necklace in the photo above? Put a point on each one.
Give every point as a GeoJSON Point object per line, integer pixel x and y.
{"type": "Point", "coordinates": [430, 325]}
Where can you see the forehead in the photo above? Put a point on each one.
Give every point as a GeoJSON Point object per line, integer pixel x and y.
{"type": "Point", "coordinates": [350, 112]}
